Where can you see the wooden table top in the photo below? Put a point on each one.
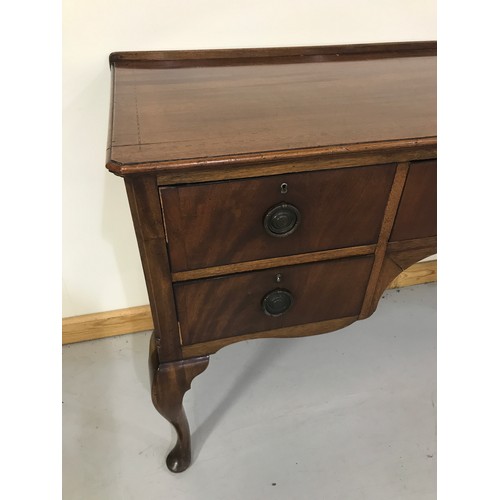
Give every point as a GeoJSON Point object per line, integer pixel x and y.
{"type": "Point", "coordinates": [182, 108]}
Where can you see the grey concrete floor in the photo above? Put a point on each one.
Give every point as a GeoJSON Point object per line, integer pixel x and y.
{"type": "Point", "coordinates": [348, 415]}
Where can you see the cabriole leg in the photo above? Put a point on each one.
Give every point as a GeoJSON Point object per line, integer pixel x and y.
{"type": "Point", "coordinates": [169, 383]}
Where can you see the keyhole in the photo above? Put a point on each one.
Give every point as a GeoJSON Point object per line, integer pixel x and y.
{"type": "Point", "coordinates": [284, 188]}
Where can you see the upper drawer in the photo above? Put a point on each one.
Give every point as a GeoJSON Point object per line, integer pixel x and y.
{"type": "Point", "coordinates": [416, 216]}
{"type": "Point", "coordinates": [236, 221]}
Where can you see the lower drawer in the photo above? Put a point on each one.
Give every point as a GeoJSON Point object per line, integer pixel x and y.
{"type": "Point", "coordinates": [275, 298]}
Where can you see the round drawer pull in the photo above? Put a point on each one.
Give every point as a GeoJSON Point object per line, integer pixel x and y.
{"type": "Point", "coordinates": [277, 302]}
{"type": "Point", "coordinates": [282, 220]}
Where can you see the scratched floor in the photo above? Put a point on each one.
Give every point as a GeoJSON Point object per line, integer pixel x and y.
{"type": "Point", "coordinates": [346, 416]}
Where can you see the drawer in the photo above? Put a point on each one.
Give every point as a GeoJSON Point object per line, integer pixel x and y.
{"type": "Point", "coordinates": [256, 301]}
{"type": "Point", "coordinates": [227, 222]}
{"type": "Point", "coordinates": [416, 216]}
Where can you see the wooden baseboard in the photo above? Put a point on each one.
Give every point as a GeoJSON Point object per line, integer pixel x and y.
{"type": "Point", "coordinates": [106, 324]}
{"type": "Point", "coordinates": [418, 274]}
{"type": "Point", "coordinates": [138, 319]}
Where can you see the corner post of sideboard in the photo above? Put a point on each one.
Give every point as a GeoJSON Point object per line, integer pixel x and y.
{"type": "Point", "coordinates": [142, 192]}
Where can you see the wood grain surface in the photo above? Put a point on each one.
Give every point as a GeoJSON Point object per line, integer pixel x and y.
{"type": "Point", "coordinates": [417, 212]}
{"type": "Point", "coordinates": [256, 265]}
{"type": "Point", "coordinates": [232, 305]}
{"type": "Point", "coordinates": [169, 383]}
{"type": "Point", "coordinates": [300, 160]}
{"type": "Point", "coordinates": [163, 115]}
{"type": "Point", "coordinates": [221, 223]}
{"type": "Point", "coordinates": [304, 330]}
{"type": "Point", "coordinates": [385, 231]}
{"type": "Point", "coordinates": [396, 263]}
{"type": "Point", "coordinates": [271, 55]}
{"type": "Point", "coordinates": [146, 213]}
{"type": "Point", "coordinates": [106, 324]}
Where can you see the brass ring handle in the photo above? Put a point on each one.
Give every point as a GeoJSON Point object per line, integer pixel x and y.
{"type": "Point", "coordinates": [277, 302]}
{"type": "Point", "coordinates": [281, 220]}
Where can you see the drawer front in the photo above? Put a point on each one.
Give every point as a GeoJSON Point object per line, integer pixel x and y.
{"type": "Point", "coordinates": [225, 222]}
{"type": "Point", "coordinates": [260, 301]}
{"type": "Point", "coordinates": [416, 216]}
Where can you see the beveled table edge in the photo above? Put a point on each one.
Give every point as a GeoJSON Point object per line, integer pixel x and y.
{"type": "Point", "coordinates": [348, 154]}
{"type": "Point", "coordinates": [263, 55]}
{"type": "Point", "coordinates": [272, 55]}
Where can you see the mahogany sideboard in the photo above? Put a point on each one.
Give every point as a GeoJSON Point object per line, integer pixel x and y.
{"type": "Point", "coordinates": [274, 192]}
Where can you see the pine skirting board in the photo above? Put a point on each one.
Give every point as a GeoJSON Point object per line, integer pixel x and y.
{"type": "Point", "coordinates": [138, 319]}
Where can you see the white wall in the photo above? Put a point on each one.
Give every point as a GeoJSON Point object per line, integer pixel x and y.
{"type": "Point", "coordinates": [101, 265]}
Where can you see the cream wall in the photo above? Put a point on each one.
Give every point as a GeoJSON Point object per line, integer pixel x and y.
{"type": "Point", "coordinates": [101, 265]}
